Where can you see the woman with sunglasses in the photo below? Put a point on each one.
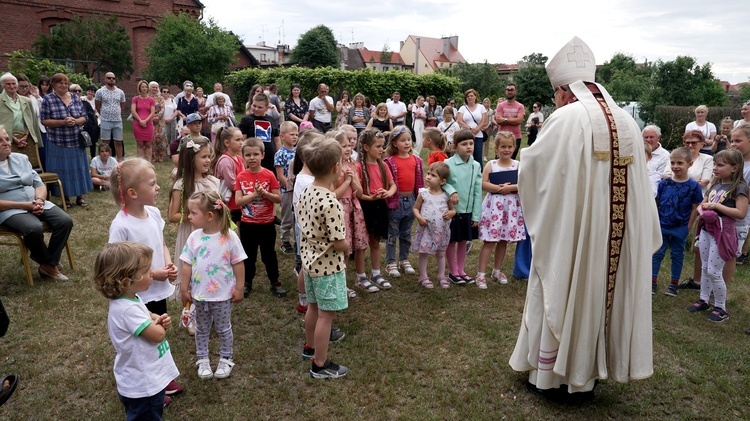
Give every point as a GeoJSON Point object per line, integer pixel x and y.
{"type": "Point", "coordinates": [536, 111]}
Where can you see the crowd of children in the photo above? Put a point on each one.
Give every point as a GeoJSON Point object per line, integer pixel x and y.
{"type": "Point", "coordinates": [340, 194]}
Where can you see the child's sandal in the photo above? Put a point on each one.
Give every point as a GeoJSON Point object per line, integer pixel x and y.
{"type": "Point", "coordinates": [426, 283]}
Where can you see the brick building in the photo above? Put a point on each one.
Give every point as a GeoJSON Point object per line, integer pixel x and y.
{"type": "Point", "coordinates": [27, 19]}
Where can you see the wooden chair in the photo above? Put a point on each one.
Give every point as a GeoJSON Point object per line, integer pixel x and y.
{"type": "Point", "coordinates": [14, 239]}
{"type": "Point", "coordinates": [31, 150]}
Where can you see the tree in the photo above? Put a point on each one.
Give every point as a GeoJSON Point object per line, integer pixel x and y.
{"type": "Point", "coordinates": [386, 55]}
{"type": "Point", "coordinates": [620, 62]}
{"type": "Point", "coordinates": [316, 48]}
{"type": "Point", "coordinates": [480, 76]}
{"type": "Point", "coordinates": [537, 59]}
{"type": "Point", "coordinates": [532, 82]}
{"type": "Point", "coordinates": [681, 82]}
{"type": "Point", "coordinates": [22, 61]}
{"type": "Point", "coordinates": [91, 38]}
{"type": "Point", "coordinates": [745, 92]}
{"type": "Point", "coordinates": [624, 79]}
{"type": "Point", "coordinates": [184, 48]}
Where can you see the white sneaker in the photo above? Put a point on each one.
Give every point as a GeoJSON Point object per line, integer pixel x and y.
{"type": "Point", "coordinates": [392, 270]}
{"type": "Point", "coordinates": [224, 369]}
{"type": "Point", "coordinates": [406, 267]}
{"type": "Point", "coordinates": [204, 368]}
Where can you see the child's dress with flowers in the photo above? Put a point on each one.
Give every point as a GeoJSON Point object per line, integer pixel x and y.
{"type": "Point", "coordinates": [502, 218]}
{"type": "Point", "coordinates": [436, 235]}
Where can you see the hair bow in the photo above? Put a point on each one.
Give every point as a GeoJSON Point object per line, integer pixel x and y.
{"type": "Point", "coordinates": [219, 204]}
{"type": "Point", "coordinates": [190, 144]}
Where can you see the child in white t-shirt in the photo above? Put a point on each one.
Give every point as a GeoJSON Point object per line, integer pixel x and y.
{"type": "Point", "coordinates": [102, 166]}
{"type": "Point", "coordinates": [143, 366]}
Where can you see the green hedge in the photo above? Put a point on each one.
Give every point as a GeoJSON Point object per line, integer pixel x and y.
{"type": "Point", "coordinates": [378, 86]}
{"type": "Point", "coordinates": [673, 119]}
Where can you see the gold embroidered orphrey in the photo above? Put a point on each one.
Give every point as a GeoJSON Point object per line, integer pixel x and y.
{"type": "Point", "coordinates": [618, 193]}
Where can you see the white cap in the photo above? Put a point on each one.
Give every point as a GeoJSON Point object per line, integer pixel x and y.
{"type": "Point", "coordinates": [575, 61]}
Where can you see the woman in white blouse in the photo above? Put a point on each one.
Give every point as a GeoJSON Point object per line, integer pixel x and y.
{"type": "Point", "coordinates": [473, 116]}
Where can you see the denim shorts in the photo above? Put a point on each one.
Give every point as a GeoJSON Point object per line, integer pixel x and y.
{"type": "Point", "coordinates": [328, 292]}
{"type": "Point", "coordinates": [111, 130]}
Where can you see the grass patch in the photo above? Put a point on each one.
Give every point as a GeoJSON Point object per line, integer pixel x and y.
{"type": "Point", "coordinates": [413, 353]}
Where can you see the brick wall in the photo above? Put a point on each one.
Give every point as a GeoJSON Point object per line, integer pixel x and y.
{"type": "Point", "coordinates": [27, 19]}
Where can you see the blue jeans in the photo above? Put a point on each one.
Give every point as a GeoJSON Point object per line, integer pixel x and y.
{"type": "Point", "coordinates": [478, 148]}
{"type": "Point", "coordinates": [674, 238]}
{"type": "Point", "coordinates": [400, 221]}
{"type": "Point", "coordinates": [150, 408]}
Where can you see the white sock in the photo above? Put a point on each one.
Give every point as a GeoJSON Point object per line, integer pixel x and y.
{"type": "Point", "coordinates": [303, 298]}
{"type": "Point", "coordinates": [480, 274]}
{"type": "Point", "coordinates": [375, 272]}
{"type": "Point", "coordinates": [361, 275]}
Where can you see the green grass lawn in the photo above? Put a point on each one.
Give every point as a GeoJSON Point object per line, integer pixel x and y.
{"type": "Point", "coordinates": [413, 353]}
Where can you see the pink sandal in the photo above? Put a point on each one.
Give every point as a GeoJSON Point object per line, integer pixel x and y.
{"type": "Point", "coordinates": [426, 283]}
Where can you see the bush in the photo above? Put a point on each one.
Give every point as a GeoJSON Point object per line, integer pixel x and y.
{"type": "Point", "coordinates": [378, 86]}
{"type": "Point", "coordinates": [673, 119]}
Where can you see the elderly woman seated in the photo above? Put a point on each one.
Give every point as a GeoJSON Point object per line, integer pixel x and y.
{"type": "Point", "coordinates": [23, 209]}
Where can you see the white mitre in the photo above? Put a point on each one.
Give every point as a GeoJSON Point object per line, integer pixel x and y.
{"type": "Point", "coordinates": [575, 61]}
{"type": "Point", "coordinates": [573, 65]}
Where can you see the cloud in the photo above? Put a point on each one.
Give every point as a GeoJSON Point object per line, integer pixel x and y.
{"type": "Point", "coordinates": [496, 32]}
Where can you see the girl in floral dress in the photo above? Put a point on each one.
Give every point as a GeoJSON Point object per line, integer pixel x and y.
{"type": "Point", "coordinates": [502, 219]}
{"type": "Point", "coordinates": [433, 212]}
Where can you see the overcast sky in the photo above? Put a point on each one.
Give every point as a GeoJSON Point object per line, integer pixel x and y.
{"type": "Point", "coordinates": [710, 31]}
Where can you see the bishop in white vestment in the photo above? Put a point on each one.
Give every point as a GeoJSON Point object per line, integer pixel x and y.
{"type": "Point", "coordinates": [594, 226]}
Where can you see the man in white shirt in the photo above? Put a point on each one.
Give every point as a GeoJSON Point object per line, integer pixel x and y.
{"type": "Point", "coordinates": [659, 156]}
{"type": "Point", "coordinates": [321, 108]}
{"type": "Point", "coordinates": [396, 109]}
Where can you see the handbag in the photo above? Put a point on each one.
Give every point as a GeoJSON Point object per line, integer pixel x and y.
{"type": "Point", "coordinates": [4, 320]}
{"type": "Point", "coordinates": [84, 139]}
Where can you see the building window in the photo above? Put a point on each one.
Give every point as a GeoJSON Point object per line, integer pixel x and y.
{"type": "Point", "coordinates": [263, 57]}
{"type": "Point", "coordinates": [385, 68]}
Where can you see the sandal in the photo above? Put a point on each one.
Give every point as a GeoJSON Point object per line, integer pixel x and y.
{"type": "Point", "coordinates": [381, 282]}
{"type": "Point", "coordinates": [481, 282]}
{"type": "Point", "coordinates": [456, 279]}
{"type": "Point", "coordinates": [351, 293]}
{"type": "Point", "coordinates": [426, 283]}
{"type": "Point", "coordinates": [468, 279]}
{"type": "Point", "coordinates": [366, 285]}
{"type": "Point", "coordinates": [444, 283]}
{"type": "Point", "coordinates": [81, 202]}
{"type": "Point", "coordinates": [499, 276]}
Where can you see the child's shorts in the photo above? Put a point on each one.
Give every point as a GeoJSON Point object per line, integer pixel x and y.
{"type": "Point", "coordinates": [376, 217]}
{"type": "Point", "coordinates": [328, 292]}
{"type": "Point", "coordinates": [461, 228]}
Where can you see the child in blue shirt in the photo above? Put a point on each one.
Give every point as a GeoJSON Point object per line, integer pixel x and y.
{"type": "Point", "coordinates": [676, 199]}
{"type": "Point", "coordinates": [281, 161]}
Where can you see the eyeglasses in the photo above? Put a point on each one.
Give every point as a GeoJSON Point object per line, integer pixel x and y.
{"type": "Point", "coordinates": [108, 77]}
{"type": "Point", "coordinates": [23, 86]}
{"type": "Point", "coordinates": [165, 92]}
{"type": "Point", "coordinates": [77, 91]}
